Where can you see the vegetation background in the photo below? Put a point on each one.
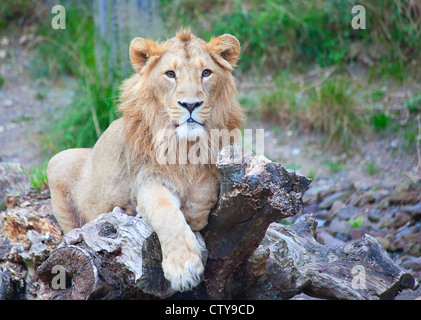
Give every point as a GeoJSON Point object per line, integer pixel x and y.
{"type": "Point", "coordinates": [304, 71]}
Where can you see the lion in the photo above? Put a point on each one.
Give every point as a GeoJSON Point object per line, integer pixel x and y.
{"type": "Point", "coordinates": [184, 85]}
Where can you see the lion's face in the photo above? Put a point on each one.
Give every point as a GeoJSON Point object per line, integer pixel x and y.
{"type": "Point", "coordinates": [186, 75]}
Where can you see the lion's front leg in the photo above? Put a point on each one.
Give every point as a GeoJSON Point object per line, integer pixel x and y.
{"type": "Point", "coordinates": [200, 200]}
{"type": "Point", "coordinates": [181, 253]}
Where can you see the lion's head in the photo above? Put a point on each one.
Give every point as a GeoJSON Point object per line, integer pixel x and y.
{"type": "Point", "coordinates": [184, 83]}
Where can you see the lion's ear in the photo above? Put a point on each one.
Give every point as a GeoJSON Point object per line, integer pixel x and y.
{"type": "Point", "coordinates": [141, 50]}
{"type": "Point", "coordinates": [227, 47]}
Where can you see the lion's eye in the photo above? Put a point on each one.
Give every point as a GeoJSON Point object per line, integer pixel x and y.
{"type": "Point", "coordinates": [206, 73]}
{"type": "Point", "coordinates": [170, 74]}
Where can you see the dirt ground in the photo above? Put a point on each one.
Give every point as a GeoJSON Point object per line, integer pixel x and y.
{"type": "Point", "coordinates": [25, 103]}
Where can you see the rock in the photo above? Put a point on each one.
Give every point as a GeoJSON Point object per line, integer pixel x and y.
{"type": "Point", "coordinates": [311, 209]}
{"type": "Point", "coordinates": [397, 244]}
{"type": "Point", "coordinates": [404, 231]}
{"type": "Point", "coordinates": [362, 200]}
{"type": "Point", "coordinates": [327, 239]}
{"type": "Point", "coordinates": [328, 201]}
{"type": "Point", "coordinates": [345, 185]}
{"type": "Point", "coordinates": [8, 103]}
{"type": "Point", "coordinates": [374, 215]}
{"type": "Point", "coordinates": [363, 186]}
{"type": "Point", "coordinates": [317, 192]}
{"type": "Point", "coordinates": [384, 203]}
{"type": "Point", "coordinates": [388, 217]}
{"type": "Point", "coordinates": [13, 181]}
{"type": "Point", "coordinates": [5, 248]}
{"type": "Point", "coordinates": [357, 233]}
{"type": "Point", "coordinates": [340, 229]}
{"type": "Point", "coordinates": [336, 206]}
{"type": "Point", "coordinates": [385, 242]}
{"type": "Point", "coordinates": [413, 249]}
{"type": "Point", "coordinates": [380, 194]}
{"type": "Point", "coordinates": [414, 210]}
{"type": "Point", "coordinates": [385, 222]}
{"type": "Point", "coordinates": [406, 193]}
{"type": "Point", "coordinates": [348, 213]}
{"type": "Point", "coordinates": [413, 264]}
{"type": "Point", "coordinates": [413, 244]}
{"type": "Point", "coordinates": [401, 219]}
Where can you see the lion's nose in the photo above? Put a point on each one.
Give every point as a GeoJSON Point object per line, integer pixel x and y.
{"type": "Point", "coordinates": [190, 105]}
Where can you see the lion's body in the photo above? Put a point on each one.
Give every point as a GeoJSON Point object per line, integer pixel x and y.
{"type": "Point", "coordinates": [122, 168]}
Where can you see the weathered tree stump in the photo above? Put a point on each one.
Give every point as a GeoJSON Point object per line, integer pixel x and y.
{"type": "Point", "coordinates": [253, 194]}
{"type": "Point", "coordinates": [118, 255]}
{"type": "Point", "coordinates": [297, 263]}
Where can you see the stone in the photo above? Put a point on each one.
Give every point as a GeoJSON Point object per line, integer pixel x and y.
{"type": "Point", "coordinates": [385, 243]}
{"type": "Point", "coordinates": [406, 193]}
{"type": "Point", "coordinates": [357, 233]}
{"type": "Point", "coordinates": [414, 210]}
{"type": "Point", "coordinates": [13, 181]}
{"type": "Point", "coordinates": [412, 263]}
{"type": "Point", "coordinates": [380, 194]}
{"type": "Point", "coordinates": [336, 206]}
{"type": "Point", "coordinates": [397, 244]}
{"type": "Point", "coordinates": [341, 228]}
{"type": "Point", "coordinates": [310, 209]}
{"type": "Point", "coordinates": [329, 200]}
{"type": "Point", "coordinates": [388, 217]}
{"type": "Point", "coordinates": [413, 238]}
{"type": "Point", "coordinates": [374, 215]}
{"type": "Point", "coordinates": [317, 192]}
{"type": "Point", "coordinates": [413, 244]}
{"type": "Point", "coordinates": [401, 219]}
{"type": "Point", "coordinates": [327, 239]}
{"type": "Point", "coordinates": [404, 231]}
{"type": "Point", "coordinates": [365, 198]}
{"type": "Point", "coordinates": [5, 248]}
{"type": "Point", "coordinates": [385, 222]}
{"type": "Point", "coordinates": [348, 213]}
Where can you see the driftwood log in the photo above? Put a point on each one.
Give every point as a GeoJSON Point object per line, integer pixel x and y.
{"type": "Point", "coordinates": [249, 255]}
{"type": "Point", "coordinates": [297, 263]}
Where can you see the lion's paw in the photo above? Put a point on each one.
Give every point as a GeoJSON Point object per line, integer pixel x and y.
{"type": "Point", "coordinates": [183, 265]}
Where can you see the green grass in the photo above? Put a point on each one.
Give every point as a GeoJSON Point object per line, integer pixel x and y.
{"type": "Point", "coordinates": [371, 167]}
{"type": "Point", "coordinates": [22, 118]}
{"type": "Point", "coordinates": [278, 37]}
{"type": "Point", "coordinates": [277, 34]}
{"type": "Point", "coordinates": [333, 111]}
{"type": "Point", "coordinates": [380, 121]}
{"type": "Point", "coordinates": [2, 81]}
{"type": "Point", "coordinates": [334, 166]}
{"type": "Point", "coordinates": [92, 108]}
{"type": "Point", "coordinates": [413, 104]}
{"type": "Point", "coordinates": [293, 166]}
{"type": "Point", "coordinates": [326, 106]}
{"type": "Point", "coordinates": [356, 223]}
{"type": "Point", "coordinates": [38, 177]}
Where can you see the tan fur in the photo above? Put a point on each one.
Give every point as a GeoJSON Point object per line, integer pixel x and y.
{"type": "Point", "coordinates": [122, 168]}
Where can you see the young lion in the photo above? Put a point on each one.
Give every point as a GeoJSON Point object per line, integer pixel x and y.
{"type": "Point", "coordinates": [184, 85]}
